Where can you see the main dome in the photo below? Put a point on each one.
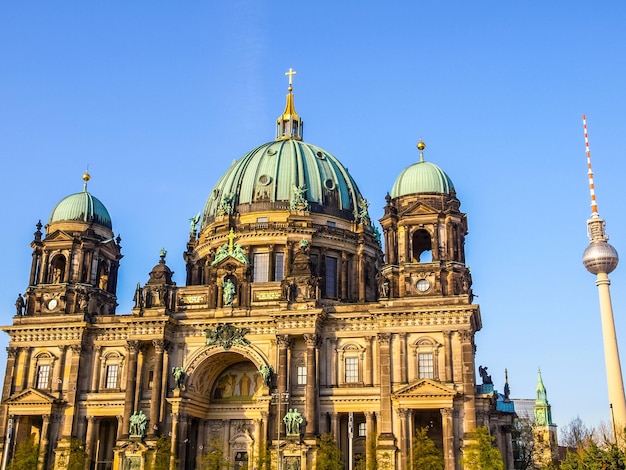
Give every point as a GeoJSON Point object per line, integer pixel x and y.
{"type": "Point", "coordinates": [82, 207]}
{"type": "Point", "coordinates": [286, 174]}
{"type": "Point", "coordinates": [267, 177]}
{"type": "Point", "coordinates": [422, 177]}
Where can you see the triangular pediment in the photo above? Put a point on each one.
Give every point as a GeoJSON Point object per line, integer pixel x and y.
{"type": "Point", "coordinates": [31, 397]}
{"type": "Point", "coordinates": [425, 388]}
{"type": "Point", "coordinates": [59, 236]}
{"type": "Point", "coordinates": [418, 208]}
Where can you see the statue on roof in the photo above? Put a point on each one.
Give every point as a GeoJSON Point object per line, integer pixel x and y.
{"type": "Point", "coordinates": [484, 375]}
{"type": "Point", "coordinates": [20, 305]}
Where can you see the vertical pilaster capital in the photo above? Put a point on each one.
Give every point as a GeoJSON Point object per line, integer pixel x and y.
{"type": "Point", "coordinates": [284, 341]}
{"type": "Point", "coordinates": [159, 345]}
{"type": "Point", "coordinates": [311, 340]}
{"type": "Point", "coordinates": [447, 412]}
{"type": "Point", "coordinates": [12, 352]}
{"type": "Point", "coordinates": [132, 347]}
{"type": "Point", "coordinates": [384, 338]}
{"type": "Point", "coordinates": [76, 348]}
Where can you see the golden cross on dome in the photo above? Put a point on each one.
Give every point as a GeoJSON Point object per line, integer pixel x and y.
{"type": "Point", "coordinates": [231, 236]}
{"type": "Point", "coordinates": [291, 73]}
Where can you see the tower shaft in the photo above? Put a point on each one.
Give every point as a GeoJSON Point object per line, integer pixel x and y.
{"type": "Point", "coordinates": [611, 353]}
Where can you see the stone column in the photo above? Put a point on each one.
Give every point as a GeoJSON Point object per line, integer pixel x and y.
{"type": "Point", "coordinates": [448, 438]}
{"type": "Point", "coordinates": [447, 346]}
{"type": "Point", "coordinates": [226, 437]}
{"type": "Point", "coordinates": [311, 382]}
{"type": "Point", "coordinates": [334, 427]}
{"type": "Point", "coordinates": [183, 438]}
{"type": "Point", "coordinates": [43, 443]}
{"type": "Point", "coordinates": [361, 277]}
{"type": "Point", "coordinates": [370, 438]}
{"type": "Point", "coordinates": [367, 376]}
{"type": "Point", "coordinates": [73, 391]}
{"type": "Point", "coordinates": [258, 449]}
{"type": "Point", "coordinates": [9, 378]}
{"type": "Point", "coordinates": [120, 426]}
{"type": "Point", "coordinates": [157, 382]}
{"type": "Point", "coordinates": [467, 357]}
{"type": "Point", "coordinates": [332, 360]}
{"type": "Point", "coordinates": [97, 364]}
{"type": "Point", "coordinates": [34, 266]}
{"type": "Point", "coordinates": [385, 383]}
{"type": "Point", "coordinates": [43, 269]}
{"type": "Point", "coordinates": [405, 435]}
{"type": "Point", "coordinates": [90, 440]}
{"type": "Point", "coordinates": [167, 366]}
{"type": "Point", "coordinates": [344, 275]}
{"type": "Point", "coordinates": [139, 377]}
{"type": "Point", "coordinates": [402, 357]}
{"type": "Point", "coordinates": [284, 343]}
{"type": "Point", "coordinates": [25, 353]}
{"type": "Point", "coordinates": [58, 373]}
{"type": "Point", "coordinates": [131, 382]}
{"type": "Point", "coordinates": [174, 446]}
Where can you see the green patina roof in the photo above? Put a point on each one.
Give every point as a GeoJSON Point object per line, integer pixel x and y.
{"type": "Point", "coordinates": [268, 174]}
{"type": "Point", "coordinates": [82, 207]}
{"type": "Point", "coordinates": [422, 177]}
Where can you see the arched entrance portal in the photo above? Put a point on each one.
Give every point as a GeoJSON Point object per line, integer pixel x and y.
{"type": "Point", "coordinates": [223, 412]}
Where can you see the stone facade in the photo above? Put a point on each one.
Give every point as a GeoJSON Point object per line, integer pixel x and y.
{"type": "Point", "coordinates": [287, 308]}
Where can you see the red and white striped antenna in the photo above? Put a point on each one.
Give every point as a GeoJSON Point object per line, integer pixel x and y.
{"type": "Point", "coordinates": [592, 191]}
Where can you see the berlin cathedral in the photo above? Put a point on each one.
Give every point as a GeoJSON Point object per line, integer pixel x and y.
{"type": "Point", "coordinates": [298, 317]}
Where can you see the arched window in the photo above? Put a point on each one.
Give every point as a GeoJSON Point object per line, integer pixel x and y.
{"type": "Point", "coordinates": [351, 364]}
{"type": "Point", "coordinates": [422, 246]}
{"type": "Point", "coordinates": [112, 371]}
{"type": "Point", "coordinates": [44, 363]}
{"type": "Point", "coordinates": [426, 354]}
{"type": "Point", "coordinates": [57, 270]}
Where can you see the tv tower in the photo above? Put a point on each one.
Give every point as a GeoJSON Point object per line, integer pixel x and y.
{"type": "Point", "coordinates": [600, 259]}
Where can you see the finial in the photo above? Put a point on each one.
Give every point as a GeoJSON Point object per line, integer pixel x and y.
{"type": "Point", "coordinates": [421, 146]}
{"type": "Point", "coordinates": [86, 177]}
{"type": "Point", "coordinates": [594, 204]}
{"type": "Point", "coordinates": [163, 254]}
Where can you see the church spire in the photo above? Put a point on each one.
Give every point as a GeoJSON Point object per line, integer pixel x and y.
{"type": "Point", "coordinates": [289, 124]}
{"type": "Point", "coordinates": [542, 409]}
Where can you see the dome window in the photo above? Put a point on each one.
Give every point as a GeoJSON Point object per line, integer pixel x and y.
{"type": "Point", "coordinates": [265, 180]}
{"type": "Point", "coordinates": [329, 184]}
{"type": "Point", "coordinates": [271, 151]}
{"type": "Point", "coordinates": [320, 155]}
{"type": "Point", "coordinates": [216, 193]}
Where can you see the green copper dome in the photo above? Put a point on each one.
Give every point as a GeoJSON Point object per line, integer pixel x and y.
{"type": "Point", "coordinates": [82, 207]}
{"type": "Point", "coordinates": [422, 178]}
{"type": "Point", "coordinates": [282, 174]}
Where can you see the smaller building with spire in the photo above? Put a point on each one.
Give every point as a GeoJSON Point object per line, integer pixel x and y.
{"type": "Point", "coordinates": [544, 431]}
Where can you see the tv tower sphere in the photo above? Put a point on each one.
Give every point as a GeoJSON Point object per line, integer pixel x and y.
{"type": "Point", "coordinates": [600, 257]}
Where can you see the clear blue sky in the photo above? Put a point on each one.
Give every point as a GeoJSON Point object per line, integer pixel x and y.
{"type": "Point", "coordinates": [158, 98]}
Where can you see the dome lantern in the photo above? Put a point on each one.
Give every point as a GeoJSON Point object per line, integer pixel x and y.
{"type": "Point", "coordinates": [289, 124]}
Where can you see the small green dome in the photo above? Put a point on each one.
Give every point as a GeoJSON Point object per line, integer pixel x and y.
{"type": "Point", "coordinates": [82, 207]}
{"type": "Point", "coordinates": [421, 178]}
{"type": "Point", "coordinates": [267, 177]}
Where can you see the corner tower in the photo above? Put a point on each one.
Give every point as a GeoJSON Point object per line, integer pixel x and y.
{"type": "Point", "coordinates": [75, 265]}
{"type": "Point", "coordinates": [424, 233]}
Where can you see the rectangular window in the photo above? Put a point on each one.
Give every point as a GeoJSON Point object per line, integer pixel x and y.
{"type": "Point", "coordinates": [330, 223]}
{"type": "Point", "coordinates": [43, 376]}
{"type": "Point", "coordinates": [331, 276]}
{"type": "Point", "coordinates": [111, 378]}
{"type": "Point", "coordinates": [261, 265]}
{"type": "Point", "coordinates": [425, 366]}
{"type": "Point", "coordinates": [279, 266]}
{"type": "Point", "coordinates": [301, 379]}
{"type": "Point", "coordinates": [150, 379]}
{"type": "Point", "coordinates": [352, 369]}
{"type": "Point", "coordinates": [362, 430]}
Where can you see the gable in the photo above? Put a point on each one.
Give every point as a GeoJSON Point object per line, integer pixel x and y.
{"type": "Point", "coordinates": [31, 397]}
{"type": "Point", "coordinates": [424, 388]}
{"type": "Point", "coordinates": [418, 208]}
